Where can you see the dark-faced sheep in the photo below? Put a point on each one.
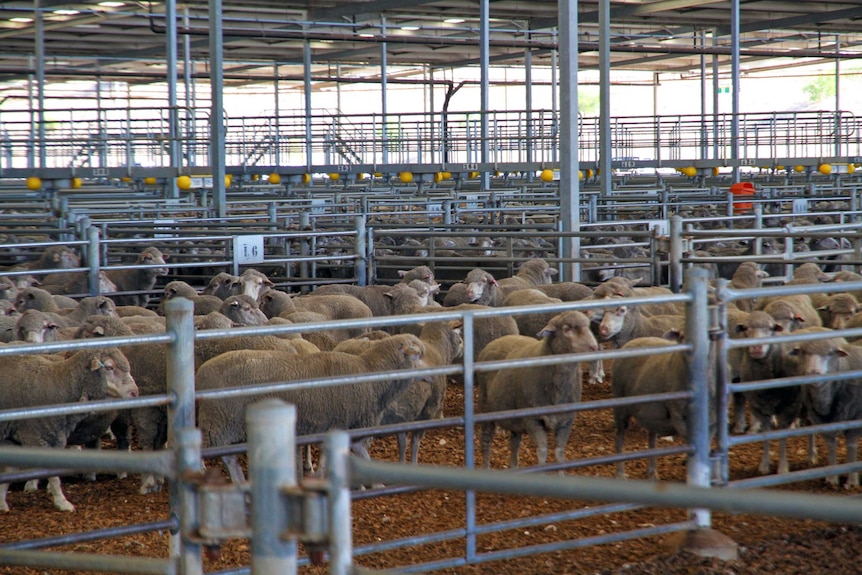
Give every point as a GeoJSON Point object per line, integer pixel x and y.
{"type": "Point", "coordinates": [203, 304]}
{"type": "Point", "coordinates": [832, 400]}
{"type": "Point", "coordinates": [776, 408]}
{"type": "Point", "coordinates": [30, 381]}
{"type": "Point", "coordinates": [525, 387]}
{"type": "Point", "coordinates": [659, 373]}
{"type": "Point", "coordinates": [222, 285]}
{"type": "Point", "coordinates": [318, 409]}
{"type": "Point", "coordinates": [837, 310]}
{"type": "Point", "coordinates": [141, 279]}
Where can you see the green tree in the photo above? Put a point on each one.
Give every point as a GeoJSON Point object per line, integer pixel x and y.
{"type": "Point", "coordinates": [588, 101]}
{"type": "Point", "coordinates": [819, 89]}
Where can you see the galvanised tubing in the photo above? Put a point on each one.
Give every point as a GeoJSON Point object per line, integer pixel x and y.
{"type": "Point", "coordinates": [185, 547]}
{"type": "Point", "coordinates": [89, 562]}
{"type": "Point", "coordinates": [271, 428]}
{"type": "Point", "coordinates": [819, 507]}
{"type": "Point", "coordinates": [339, 509]}
{"type": "Point", "coordinates": [94, 535]}
{"type": "Point", "coordinates": [88, 460]}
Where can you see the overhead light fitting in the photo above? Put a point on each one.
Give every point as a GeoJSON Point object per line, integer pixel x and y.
{"type": "Point", "coordinates": [410, 28]}
{"type": "Point", "coordinates": [453, 20]}
{"type": "Point", "coordinates": [21, 19]}
{"type": "Point", "coordinates": [111, 4]}
{"type": "Point", "coordinates": [66, 12]}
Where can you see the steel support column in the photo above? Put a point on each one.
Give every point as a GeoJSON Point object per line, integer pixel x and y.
{"type": "Point", "coordinates": [569, 165]}
{"type": "Point", "coordinates": [217, 124]}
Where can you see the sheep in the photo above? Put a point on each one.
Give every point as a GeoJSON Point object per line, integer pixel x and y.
{"type": "Point", "coordinates": [381, 299]}
{"type": "Point", "coordinates": [566, 291]}
{"type": "Point", "coordinates": [792, 311]}
{"type": "Point", "coordinates": [31, 380]}
{"type": "Point", "coordinates": [768, 361]}
{"type": "Point", "coordinates": [53, 258]}
{"type": "Point", "coordinates": [837, 310]}
{"type": "Point", "coordinates": [222, 285]}
{"type": "Point", "coordinates": [479, 287]}
{"type": "Point", "coordinates": [8, 289]}
{"type": "Point", "coordinates": [524, 387]}
{"type": "Point", "coordinates": [243, 310]}
{"type": "Point", "coordinates": [530, 324]}
{"type": "Point", "coordinates": [532, 273]}
{"type": "Point", "coordinates": [423, 399]}
{"type": "Point", "coordinates": [623, 323]}
{"type": "Point", "coordinates": [34, 326]}
{"type": "Point", "coordinates": [748, 275]}
{"type": "Point", "coordinates": [138, 279]}
{"type": "Point", "coordinates": [203, 304]}
{"type": "Point", "coordinates": [487, 329]}
{"type": "Point", "coordinates": [333, 307]}
{"type": "Point", "coordinates": [254, 283]}
{"type": "Point", "coordinates": [68, 283]}
{"type": "Point", "coordinates": [37, 298]}
{"type": "Point", "coordinates": [322, 339]}
{"type": "Point", "coordinates": [318, 409]}
{"type": "Point", "coordinates": [658, 373]}
{"type": "Point", "coordinates": [832, 401]}
{"type": "Point", "coordinates": [422, 273]}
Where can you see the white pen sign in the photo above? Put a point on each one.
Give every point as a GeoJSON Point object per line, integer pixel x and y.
{"type": "Point", "coordinates": [248, 249]}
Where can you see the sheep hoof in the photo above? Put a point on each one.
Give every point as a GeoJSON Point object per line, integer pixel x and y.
{"type": "Point", "coordinates": [832, 481]}
{"type": "Point", "coordinates": [64, 506]}
{"type": "Point", "coordinates": [763, 469]}
{"type": "Point", "coordinates": [32, 485]}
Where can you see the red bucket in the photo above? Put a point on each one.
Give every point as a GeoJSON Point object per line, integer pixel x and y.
{"type": "Point", "coordinates": [742, 189]}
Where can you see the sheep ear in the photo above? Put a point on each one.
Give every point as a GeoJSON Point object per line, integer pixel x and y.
{"type": "Point", "coordinates": [99, 330]}
{"type": "Point", "coordinates": [268, 282]}
{"type": "Point", "coordinates": [552, 271]}
{"type": "Point", "coordinates": [841, 353]}
{"type": "Point", "coordinates": [823, 308]}
{"type": "Point", "coordinates": [494, 281]}
{"type": "Point", "coordinates": [777, 327]}
{"type": "Point", "coordinates": [96, 364]}
{"type": "Point", "coordinates": [546, 331]}
{"type": "Point", "coordinates": [389, 294]}
{"type": "Point", "coordinates": [673, 335]}
{"type": "Point", "coordinates": [402, 273]}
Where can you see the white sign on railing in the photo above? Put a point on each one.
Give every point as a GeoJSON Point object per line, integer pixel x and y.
{"type": "Point", "coordinates": [247, 249]}
{"type": "Point", "coordinates": [660, 227]}
{"type": "Point", "coordinates": [800, 205]}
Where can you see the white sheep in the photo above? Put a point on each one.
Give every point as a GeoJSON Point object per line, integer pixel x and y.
{"type": "Point", "coordinates": [318, 409]}
{"type": "Point", "coordinates": [32, 380]}
{"type": "Point", "coordinates": [524, 387]}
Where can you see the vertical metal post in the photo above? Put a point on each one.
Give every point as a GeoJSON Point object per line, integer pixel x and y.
{"type": "Point", "coordinates": [697, 334]}
{"type": "Point", "coordinates": [306, 82]}
{"type": "Point", "coordinates": [271, 428]}
{"type": "Point", "coordinates": [180, 372]}
{"type": "Point", "coordinates": [734, 79]}
{"type": "Point", "coordinates": [277, 109]}
{"type": "Point", "coordinates": [188, 84]}
{"type": "Point", "coordinates": [676, 249]}
{"type": "Point", "coordinates": [704, 149]}
{"type": "Point", "coordinates": [837, 96]}
{"type": "Point", "coordinates": [184, 504]}
{"type": "Point", "coordinates": [528, 85]}
{"type": "Point", "coordinates": [217, 127]}
{"type": "Point", "coordinates": [93, 260]}
{"type": "Point", "coordinates": [715, 105]}
{"type": "Point", "coordinates": [484, 65]}
{"type": "Point", "coordinates": [605, 144]}
{"type": "Point", "coordinates": [570, 195]}
{"type": "Point", "coordinates": [171, 73]}
{"type": "Point", "coordinates": [340, 515]}
{"type": "Point", "coordinates": [361, 249]}
{"type": "Point", "coordinates": [39, 26]}
{"type": "Point", "coordinates": [722, 396]}
{"type": "Point", "coordinates": [469, 432]}
{"type": "Point", "coordinates": [384, 136]}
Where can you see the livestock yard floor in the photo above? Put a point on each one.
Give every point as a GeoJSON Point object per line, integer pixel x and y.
{"type": "Point", "coordinates": [767, 545]}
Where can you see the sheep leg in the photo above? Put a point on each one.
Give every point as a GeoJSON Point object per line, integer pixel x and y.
{"type": "Point", "coordinates": [515, 447]}
{"type": "Point", "coordinates": [487, 436]}
{"type": "Point", "coordinates": [852, 478]}
{"type": "Point", "coordinates": [32, 485]}
{"type": "Point", "coordinates": [619, 440]}
{"type": "Point", "coordinates": [539, 435]}
{"type": "Point", "coordinates": [56, 491]}
{"type": "Point", "coordinates": [231, 463]}
{"type": "Point", "coordinates": [783, 465]}
{"type": "Point", "coordinates": [831, 457]}
{"type": "Point", "coordinates": [4, 488]}
{"type": "Point", "coordinates": [739, 413]}
{"type": "Point", "coordinates": [414, 446]}
{"type": "Point", "coordinates": [150, 484]}
{"type": "Point", "coordinates": [763, 469]}
{"type": "Point", "coordinates": [812, 450]}
{"type": "Point", "coordinates": [596, 371]}
{"type": "Point", "coordinates": [402, 447]}
{"type": "Point", "coordinates": [652, 474]}
{"type": "Point", "coordinates": [308, 461]}
{"type": "Point", "coordinates": [561, 439]}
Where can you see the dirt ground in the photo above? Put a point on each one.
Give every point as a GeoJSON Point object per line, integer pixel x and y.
{"type": "Point", "coordinates": [766, 545]}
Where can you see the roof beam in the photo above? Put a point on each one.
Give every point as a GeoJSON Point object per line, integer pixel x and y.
{"type": "Point", "coordinates": [354, 8]}
{"type": "Point", "coordinates": [622, 12]}
{"type": "Point", "coordinates": [795, 21]}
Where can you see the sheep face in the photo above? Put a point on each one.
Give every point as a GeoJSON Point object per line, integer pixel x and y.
{"type": "Point", "coordinates": [222, 285]}
{"type": "Point", "coordinates": [243, 310]}
{"type": "Point", "coordinates": [35, 327]}
{"type": "Point", "coordinates": [612, 321]}
{"type": "Point", "coordinates": [113, 369]}
{"type": "Point", "coordinates": [759, 325]}
{"type": "Point", "coordinates": [573, 329]}
{"type": "Point", "coordinates": [254, 283]}
{"type": "Point", "coordinates": [818, 357]}
{"type": "Point", "coordinates": [152, 256]}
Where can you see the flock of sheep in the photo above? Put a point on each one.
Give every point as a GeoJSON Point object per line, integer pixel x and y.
{"type": "Point", "coordinates": [37, 308]}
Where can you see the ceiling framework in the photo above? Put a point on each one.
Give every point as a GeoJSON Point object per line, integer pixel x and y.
{"type": "Point", "coordinates": [125, 41]}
